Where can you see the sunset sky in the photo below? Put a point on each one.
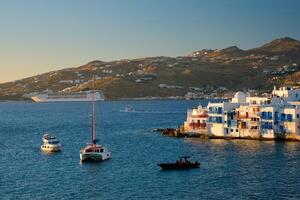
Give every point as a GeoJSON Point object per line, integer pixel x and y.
{"type": "Point", "coordinates": [40, 36]}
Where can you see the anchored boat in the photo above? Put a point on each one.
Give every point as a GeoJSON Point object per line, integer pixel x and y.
{"type": "Point", "coordinates": [50, 143]}
{"type": "Point", "coordinates": [128, 108]}
{"type": "Point", "coordinates": [68, 96]}
{"type": "Point", "coordinates": [182, 163]}
{"type": "Point", "coordinates": [93, 151]}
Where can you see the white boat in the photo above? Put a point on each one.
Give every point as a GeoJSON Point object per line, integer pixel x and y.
{"type": "Point", "coordinates": [128, 109]}
{"type": "Point", "coordinates": [50, 144]}
{"type": "Point", "coordinates": [93, 151]}
{"type": "Point", "coordinates": [69, 96]}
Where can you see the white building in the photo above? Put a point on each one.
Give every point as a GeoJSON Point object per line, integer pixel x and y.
{"type": "Point", "coordinates": [217, 117]}
{"type": "Point", "coordinates": [286, 94]}
{"type": "Point", "coordinates": [197, 120]}
{"type": "Point", "coordinates": [274, 117]}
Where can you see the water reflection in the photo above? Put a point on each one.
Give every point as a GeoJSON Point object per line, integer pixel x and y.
{"type": "Point", "coordinates": [291, 147]}
{"type": "Point", "coordinates": [249, 146]}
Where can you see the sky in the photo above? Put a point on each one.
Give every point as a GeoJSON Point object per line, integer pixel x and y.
{"type": "Point", "coordinates": [38, 36]}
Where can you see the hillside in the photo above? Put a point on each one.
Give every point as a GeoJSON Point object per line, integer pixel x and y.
{"type": "Point", "coordinates": [284, 46]}
{"type": "Point", "coordinates": [204, 73]}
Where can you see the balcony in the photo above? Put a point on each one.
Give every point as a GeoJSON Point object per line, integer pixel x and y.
{"type": "Point", "coordinates": [266, 115]}
{"type": "Point", "coordinates": [200, 116]}
{"type": "Point", "coordinates": [231, 123]}
{"type": "Point", "coordinates": [215, 110]}
{"type": "Point", "coordinates": [197, 125]}
{"type": "Point", "coordinates": [267, 126]}
{"type": "Point", "coordinates": [215, 119]}
{"type": "Point", "coordinates": [243, 116]}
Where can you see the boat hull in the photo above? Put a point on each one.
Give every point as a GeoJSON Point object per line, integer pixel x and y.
{"type": "Point", "coordinates": [65, 97]}
{"type": "Point", "coordinates": [175, 166]}
{"type": "Point", "coordinates": [94, 157]}
{"type": "Point", "coordinates": [41, 100]}
{"type": "Point", "coordinates": [51, 148]}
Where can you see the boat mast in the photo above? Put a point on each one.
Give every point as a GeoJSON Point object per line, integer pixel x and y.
{"type": "Point", "coordinates": [93, 113]}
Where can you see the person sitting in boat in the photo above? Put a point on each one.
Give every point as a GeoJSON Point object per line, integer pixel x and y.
{"type": "Point", "coordinates": [180, 161]}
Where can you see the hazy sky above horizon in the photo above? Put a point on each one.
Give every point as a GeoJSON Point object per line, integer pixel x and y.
{"type": "Point", "coordinates": [40, 36]}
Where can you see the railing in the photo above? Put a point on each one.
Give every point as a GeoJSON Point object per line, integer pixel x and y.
{"type": "Point", "coordinates": [243, 116]}
{"type": "Point", "coordinates": [266, 118]}
{"type": "Point", "coordinates": [266, 126]}
{"type": "Point", "coordinates": [266, 115]}
{"type": "Point", "coordinates": [212, 119]}
{"type": "Point", "coordinates": [215, 110]}
{"type": "Point", "coordinates": [200, 116]}
{"type": "Point", "coordinates": [243, 126]}
{"type": "Point", "coordinates": [231, 123]}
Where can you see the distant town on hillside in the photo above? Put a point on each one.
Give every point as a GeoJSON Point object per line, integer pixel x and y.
{"type": "Point", "coordinates": [206, 73]}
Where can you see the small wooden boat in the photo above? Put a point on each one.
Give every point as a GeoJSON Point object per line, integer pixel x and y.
{"type": "Point", "coordinates": [182, 163]}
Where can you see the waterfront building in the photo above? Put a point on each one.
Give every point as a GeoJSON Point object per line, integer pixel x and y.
{"type": "Point", "coordinates": [286, 93]}
{"type": "Point", "coordinates": [196, 120]}
{"type": "Point", "coordinates": [219, 117]}
{"type": "Point", "coordinates": [276, 116]}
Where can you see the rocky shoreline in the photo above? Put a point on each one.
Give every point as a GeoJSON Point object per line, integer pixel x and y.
{"type": "Point", "coordinates": [180, 132]}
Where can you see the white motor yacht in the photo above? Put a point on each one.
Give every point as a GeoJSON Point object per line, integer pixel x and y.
{"type": "Point", "coordinates": [50, 144]}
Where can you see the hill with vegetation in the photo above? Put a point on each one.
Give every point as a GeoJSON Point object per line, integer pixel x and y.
{"type": "Point", "coordinates": [204, 73]}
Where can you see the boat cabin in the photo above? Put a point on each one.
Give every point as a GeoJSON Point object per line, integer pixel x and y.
{"type": "Point", "coordinates": [94, 150]}
{"type": "Point", "coordinates": [52, 142]}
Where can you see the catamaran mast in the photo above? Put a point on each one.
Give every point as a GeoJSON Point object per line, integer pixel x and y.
{"type": "Point", "coordinates": [93, 113]}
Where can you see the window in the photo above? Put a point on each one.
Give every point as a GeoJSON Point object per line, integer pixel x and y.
{"type": "Point", "coordinates": [231, 130]}
{"type": "Point", "coordinates": [243, 125]}
{"type": "Point", "coordinates": [269, 115]}
{"type": "Point", "coordinates": [236, 130]}
{"type": "Point", "coordinates": [289, 117]}
{"type": "Point", "coordinates": [297, 115]}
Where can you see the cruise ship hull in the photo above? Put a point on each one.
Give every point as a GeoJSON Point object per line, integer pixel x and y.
{"type": "Point", "coordinates": [66, 97]}
{"type": "Point", "coordinates": [37, 99]}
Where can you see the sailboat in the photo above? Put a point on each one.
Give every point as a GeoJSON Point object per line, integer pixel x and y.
{"type": "Point", "coordinates": [94, 151]}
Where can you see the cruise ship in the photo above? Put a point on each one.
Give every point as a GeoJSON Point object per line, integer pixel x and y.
{"type": "Point", "coordinates": [68, 96]}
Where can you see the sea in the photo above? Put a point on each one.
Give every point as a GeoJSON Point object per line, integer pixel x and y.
{"type": "Point", "coordinates": [230, 169]}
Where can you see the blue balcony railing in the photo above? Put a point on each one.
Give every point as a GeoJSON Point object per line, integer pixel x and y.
{"type": "Point", "coordinates": [212, 119]}
{"type": "Point", "coordinates": [266, 115]}
{"type": "Point", "coordinates": [215, 110]}
{"type": "Point", "coordinates": [267, 126]}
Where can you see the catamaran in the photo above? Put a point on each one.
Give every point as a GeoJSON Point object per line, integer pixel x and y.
{"type": "Point", "coordinates": [94, 151]}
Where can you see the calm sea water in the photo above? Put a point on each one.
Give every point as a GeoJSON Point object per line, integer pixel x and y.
{"type": "Point", "coordinates": [232, 169]}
